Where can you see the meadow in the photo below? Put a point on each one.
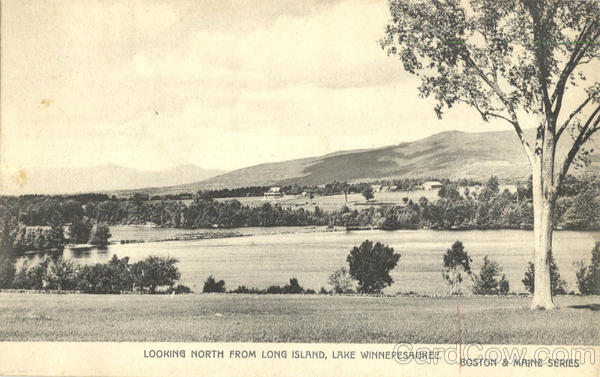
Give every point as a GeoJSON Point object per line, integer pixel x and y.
{"type": "Point", "coordinates": [296, 318]}
{"type": "Point", "coordinates": [335, 202]}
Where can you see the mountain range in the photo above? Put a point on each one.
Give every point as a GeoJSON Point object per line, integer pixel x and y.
{"type": "Point", "coordinates": [60, 180]}
{"type": "Point", "coordinates": [450, 154]}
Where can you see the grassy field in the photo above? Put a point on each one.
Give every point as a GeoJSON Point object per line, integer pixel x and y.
{"type": "Point", "coordinates": [335, 202]}
{"type": "Point", "coordinates": [296, 318]}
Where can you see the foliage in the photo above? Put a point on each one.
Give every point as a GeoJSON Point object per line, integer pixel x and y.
{"type": "Point", "coordinates": [154, 272]}
{"type": "Point", "coordinates": [211, 285]}
{"type": "Point", "coordinates": [456, 263]}
{"type": "Point", "coordinates": [588, 277]}
{"type": "Point", "coordinates": [27, 238]}
{"type": "Point", "coordinates": [371, 264]}
{"type": "Point", "coordinates": [7, 271]}
{"type": "Point", "coordinates": [80, 230]}
{"type": "Point", "coordinates": [487, 283]}
{"type": "Point", "coordinates": [558, 285]}
{"type": "Point", "coordinates": [100, 234]}
{"type": "Point", "coordinates": [368, 193]}
{"type": "Point", "coordinates": [179, 289]}
{"type": "Point", "coordinates": [292, 288]}
{"type": "Point", "coordinates": [341, 281]}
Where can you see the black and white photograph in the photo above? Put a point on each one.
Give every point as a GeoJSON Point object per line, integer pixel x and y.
{"type": "Point", "coordinates": [317, 186]}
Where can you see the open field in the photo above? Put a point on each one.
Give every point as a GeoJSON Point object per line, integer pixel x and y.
{"type": "Point", "coordinates": [335, 202]}
{"type": "Point", "coordinates": [296, 318]}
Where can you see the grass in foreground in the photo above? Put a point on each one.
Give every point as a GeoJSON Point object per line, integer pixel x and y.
{"type": "Point", "coordinates": [295, 318]}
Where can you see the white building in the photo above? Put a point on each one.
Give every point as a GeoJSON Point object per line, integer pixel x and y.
{"type": "Point", "coordinates": [274, 193]}
{"type": "Point", "coordinates": [432, 185]}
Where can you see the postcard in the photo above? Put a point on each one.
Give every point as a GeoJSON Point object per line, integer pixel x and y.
{"type": "Point", "coordinates": [299, 187]}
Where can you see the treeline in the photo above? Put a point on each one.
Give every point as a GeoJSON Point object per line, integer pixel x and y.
{"type": "Point", "coordinates": [578, 207]}
{"type": "Point", "coordinates": [116, 276]}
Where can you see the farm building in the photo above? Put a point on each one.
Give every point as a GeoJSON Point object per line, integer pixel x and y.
{"type": "Point", "coordinates": [274, 192]}
{"type": "Point", "coordinates": [432, 185]}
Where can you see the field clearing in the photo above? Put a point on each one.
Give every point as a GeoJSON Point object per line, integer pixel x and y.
{"type": "Point", "coordinates": [296, 318]}
{"type": "Point", "coordinates": [335, 202]}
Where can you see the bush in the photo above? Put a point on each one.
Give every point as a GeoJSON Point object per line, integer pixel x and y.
{"type": "Point", "coordinates": [588, 277]}
{"type": "Point", "coordinates": [212, 286]}
{"type": "Point", "coordinates": [487, 283]}
{"type": "Point", "coordinates": [558, 285]}
{"type": "Point", "coordinates": [371, 265]}
{"type": "Point", "coordinates": [456, 263]}
{"type": "Point", "coordinates": [244, 289]}
{"type": "Point", "coordinates": [292, 288]}
{"type": "Point", "coordinates": [341, 281]}
{"type": "Point", "coordinates": [179, 289]}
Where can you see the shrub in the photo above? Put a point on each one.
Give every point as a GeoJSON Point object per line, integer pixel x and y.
{"type": "Point", "coordinates": [371, 265]}
{"type": "Point", "coordinates": [179, 289]}
{"type": "Point", "coordinates": [588, 277]}
{"type": "Point", "coordinates": [211, 285]}
{"type": "Point", "coordinates": [456, 263]}
{"type": "Point", "coordinates": [558, 285]}
{"type": "Point", "coordinates": [292, 288]}
{"type": "Point", "coordinates": [487, 283]}
{"type": "Point", "coordinates": [244, 289]}
{"type": "Point", "coordinates": [341, 281]}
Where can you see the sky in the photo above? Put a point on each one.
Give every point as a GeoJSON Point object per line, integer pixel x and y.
{"type": "Point", "coordinates": [220, 84]}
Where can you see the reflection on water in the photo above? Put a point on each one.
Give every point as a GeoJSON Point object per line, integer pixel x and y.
{"type": "Point", "coordinates": [265, 259]}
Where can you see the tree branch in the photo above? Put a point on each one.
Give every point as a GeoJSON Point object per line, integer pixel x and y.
{"type": "Point", "coordinates": [513, 116]}
{"type": "Point", "coordinates": [564, 126]}
{"type": "Point", "coordinates": [574, 60]}
{"type": "Point", "coordinates": [584, 135]}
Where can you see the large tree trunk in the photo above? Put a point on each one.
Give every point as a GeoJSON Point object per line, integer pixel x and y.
{"type": "Point", "coordinates": [543, 210]}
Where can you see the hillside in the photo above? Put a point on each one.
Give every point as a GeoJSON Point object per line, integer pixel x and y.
{"type": "Point", "coordinates": [451, 154]}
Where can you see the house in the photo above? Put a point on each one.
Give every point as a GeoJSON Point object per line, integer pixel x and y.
{"type": "Point", "coordinates": [376, 188]}
{"type": "Point", "coordinates": [432, 185]}
{"type": "Point", "coordinates": [274, 193]}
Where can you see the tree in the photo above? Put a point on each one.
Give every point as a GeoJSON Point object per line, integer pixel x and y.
{"type": "Point", "coordinates": [154, 272]}
{"type": "Point", "coordinates": [512, 61]}
{"type": "Point", "coordinates": [588, 277]}
{"type": "Point", "coordinates": [371, 264]}
{"type": "Point", "coordinates": [456, 263]}
{"type": "Point", "coordinates": [368, 193]}
{"type": "Point", "coordinates": [7, 271]}
{"type": "Point", "coordinates": [212, 285]}
{"type": "Point", "coordinates": [341, 281]}
{"type": "Point", "coordinates": [100, 234]}
{"type": "Point", "coordinates": [487, 283]}
{"type": "Point", "coordinates": [79, 230]}
{"type": "Point", "coordinates": [557, 285]}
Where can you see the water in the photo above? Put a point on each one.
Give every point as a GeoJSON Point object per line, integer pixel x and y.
{"type": "Point", "coordinates": [265, 259]}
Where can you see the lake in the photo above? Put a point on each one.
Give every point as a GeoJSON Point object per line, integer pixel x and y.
{"type": "Point", "coordinates": [274, 255]}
